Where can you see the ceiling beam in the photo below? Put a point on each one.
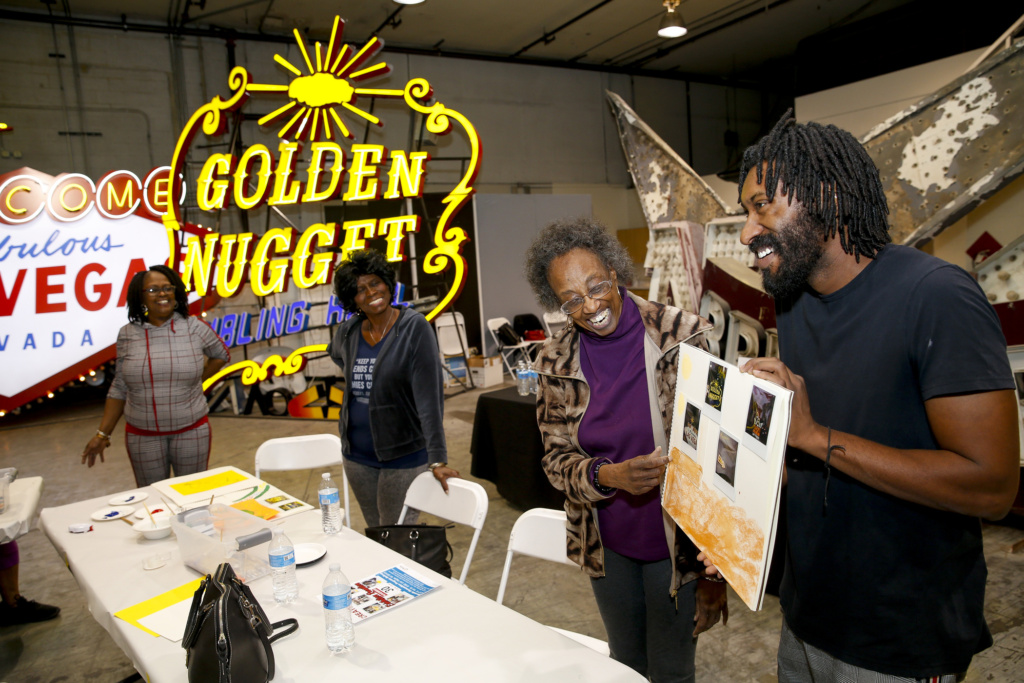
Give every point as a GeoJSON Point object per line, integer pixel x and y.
{"type": "Point", "coordinates": [231, 34]}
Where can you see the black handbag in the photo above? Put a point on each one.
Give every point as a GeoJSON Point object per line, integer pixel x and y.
{"type": "Point", "coordinates": [507, 335]}
{"type": "Point", "coordinates": [228, 636]}
{"type": "Point", "coordinates": [423, 543]}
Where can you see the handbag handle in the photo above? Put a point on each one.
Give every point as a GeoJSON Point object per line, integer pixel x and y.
{"type": "Point", "coordinates": [292, 625]}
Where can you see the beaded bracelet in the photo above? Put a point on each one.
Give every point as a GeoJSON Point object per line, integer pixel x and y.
{"type": "Point", "coordinates": [712, 579]}
{"type": "Point", "coordinates": [603, 490]}
{"type": "Point", "coordinates": [105, 437]}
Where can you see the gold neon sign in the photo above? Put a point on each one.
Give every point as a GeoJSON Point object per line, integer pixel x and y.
{"type": "Point", "coordinates": [324, 88]}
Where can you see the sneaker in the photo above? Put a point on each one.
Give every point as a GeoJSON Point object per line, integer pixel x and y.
{"type": "Point", "coordinates": [26, 612]}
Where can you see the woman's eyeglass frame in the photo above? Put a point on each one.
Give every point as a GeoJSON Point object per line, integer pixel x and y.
{"type": "Point", "coordinates": [598, 291]}
{"type": "Point", "coordinates": [166, 289]}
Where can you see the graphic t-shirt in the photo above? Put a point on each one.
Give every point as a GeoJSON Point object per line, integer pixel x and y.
{"type": "Point", "coordinates": [360, 436]}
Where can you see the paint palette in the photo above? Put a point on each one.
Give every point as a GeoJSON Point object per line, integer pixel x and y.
{"type": "Point", "coordinates": [128, 498]}
{"type": "Point", "coordinates": [106, 514]}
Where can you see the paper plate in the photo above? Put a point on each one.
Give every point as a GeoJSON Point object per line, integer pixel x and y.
{"type": "Point", "coordinates": [105, 514]}
{"type": "Point", "coordinates": [128, 498]}
{"type": "Point", "coordinates": [306, 553]}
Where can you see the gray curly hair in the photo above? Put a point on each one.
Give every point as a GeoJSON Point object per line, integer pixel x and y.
{"type": "Point", "coordinates": [560, 238]}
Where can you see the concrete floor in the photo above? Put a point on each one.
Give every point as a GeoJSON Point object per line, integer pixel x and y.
{"type": "Point", "coordinates": [49, 442]}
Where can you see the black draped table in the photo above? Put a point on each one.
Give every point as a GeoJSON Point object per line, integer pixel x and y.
{"type": "Point", "coordinates": [507, 449]}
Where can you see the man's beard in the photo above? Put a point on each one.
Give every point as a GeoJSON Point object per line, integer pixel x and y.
{"type": "Point", "coordinates": [798, 246]}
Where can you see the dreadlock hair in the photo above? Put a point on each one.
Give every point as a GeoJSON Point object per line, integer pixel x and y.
{"type": "Point", "coordinates": [136, 311]}
{"type": "Point", "coordinates": [831, 174]}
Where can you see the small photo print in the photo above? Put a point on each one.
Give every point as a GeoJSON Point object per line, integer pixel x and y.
{"type": "Point", "coordinates": [276, 499]}
{"type": "Point", "coordinates": [691, 428]}
{"type": "Point", "coordinates": [716, 390]}
{"type": "Point", "coordinates": [759, 421]}
{"type": "Point", "coordinates": [291, 505]}
{"type": "Point", "coordinates": [725, 465]}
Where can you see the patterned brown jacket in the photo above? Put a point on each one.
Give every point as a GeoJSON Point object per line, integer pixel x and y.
{"type": "Point", "coordinates": [562, 399]}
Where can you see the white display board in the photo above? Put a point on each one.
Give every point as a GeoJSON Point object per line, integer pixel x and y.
{"type": "Point", "coordinates": [728, 447]}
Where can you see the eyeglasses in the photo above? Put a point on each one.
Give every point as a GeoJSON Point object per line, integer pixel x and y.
{"type": "Point", "coordinates": [598, 291]}
{"type": "Point", "coordinates": [166, 289]}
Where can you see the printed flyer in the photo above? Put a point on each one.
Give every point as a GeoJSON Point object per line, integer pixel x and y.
{"type": "Point", "coordinates": [386, 590]}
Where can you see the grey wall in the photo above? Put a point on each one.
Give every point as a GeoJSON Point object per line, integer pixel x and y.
{"type": "Point", "coordinates": [506, 226]}
{"type": "Point", "coordinates": [539, 125]}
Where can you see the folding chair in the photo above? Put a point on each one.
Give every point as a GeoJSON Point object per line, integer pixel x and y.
{"type": "Point", "coordinates": [451, 341]}
{"type": "Point", "coordinates": [300, 453]}
{"type": "Point", "coordinates": [553, 321]}
{"type": "Point", "coordinates": [541, 533]}
{"type": "Point", "coordinates": [511, 352]}
{"type": "Point", "coordinates": [466, 503]}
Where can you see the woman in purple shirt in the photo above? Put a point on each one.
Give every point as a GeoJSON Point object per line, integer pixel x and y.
{"type": "Point", "coordinates": [607, 389]}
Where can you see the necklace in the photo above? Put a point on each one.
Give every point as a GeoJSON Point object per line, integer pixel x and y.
{"type": "Point", "coordinates": [386, 328]}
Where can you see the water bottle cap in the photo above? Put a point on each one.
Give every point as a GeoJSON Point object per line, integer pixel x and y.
{"type": "Point", "coordinates": [326, 475]}
{"type": "Point", "coordinates": [335, 567]}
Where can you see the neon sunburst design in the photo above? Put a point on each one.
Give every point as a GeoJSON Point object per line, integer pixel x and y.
{"type": "Point", "coordinates": [316, 96]}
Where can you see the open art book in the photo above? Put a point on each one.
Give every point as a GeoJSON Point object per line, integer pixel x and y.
{"type": "Point", "coordinates": [728, 446]}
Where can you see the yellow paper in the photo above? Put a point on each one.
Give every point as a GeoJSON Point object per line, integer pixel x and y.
{"type": "Point", "coordinates": [155, 604]}
{"type": "Point", "coordinates": [254, 508]}
{"type": "Point", "coordinates": [214, 481]}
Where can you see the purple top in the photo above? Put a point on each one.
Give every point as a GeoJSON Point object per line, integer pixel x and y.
{"type": "Point", "coordinates": [617, 426]}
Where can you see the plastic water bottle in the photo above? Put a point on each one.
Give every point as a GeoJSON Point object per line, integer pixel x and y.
{"type": "Point", "coordinates": [522, 378]}
{"type": "Point", "coordinates": [330, 505]}
{"type": "Point", "coordinates": [337, 611]}
{"type": "Point", "coordinates": [532, 374]}
{"type": "Point", "coordinates": [282, 568]}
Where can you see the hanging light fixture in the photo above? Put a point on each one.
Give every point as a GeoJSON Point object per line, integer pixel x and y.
{"type": "Point", "coordinates": [408, 2]}
{"type": "Point", "coordinates": [671, 24]}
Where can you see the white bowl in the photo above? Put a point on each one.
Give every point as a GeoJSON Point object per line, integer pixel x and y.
{"type": "Point", "coordinates": [162, 528]}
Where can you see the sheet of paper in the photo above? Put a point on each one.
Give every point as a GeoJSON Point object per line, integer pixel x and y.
{"type": "Point", "coordinates": [255, 508]}
{"type": "Point", "coordinates": [170, 621]}
{"type": "Point", "coordinates": [192, 489]}
{"type": "Point", "coordinates": [207, 484]}
{"type": "Point", "coordinates": [133, 614]}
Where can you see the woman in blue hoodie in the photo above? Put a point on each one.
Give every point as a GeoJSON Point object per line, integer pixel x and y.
{"type": "Point", "coordinates": [391, 414]}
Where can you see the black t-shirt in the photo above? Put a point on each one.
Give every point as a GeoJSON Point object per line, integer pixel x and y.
{"type": "Point", "coordinates": [879, 582]}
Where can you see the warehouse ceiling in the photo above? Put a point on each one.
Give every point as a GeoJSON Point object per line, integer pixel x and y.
{"type": "Point", "coordinates": [789, 46]}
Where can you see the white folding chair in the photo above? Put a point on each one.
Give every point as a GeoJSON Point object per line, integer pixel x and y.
{"type": "Point", "coordinates": [451, 341]}
{"type": "Point", "coordinates": [553, 321]}
{"type": "Point", "coordinates": [510, 353]}
{"type": "Point", "coordinates": [541, 533]}
{"type": "Point", "coordinates": [465, 503]}
{"type": "Point", "coordinates": [302, 453]}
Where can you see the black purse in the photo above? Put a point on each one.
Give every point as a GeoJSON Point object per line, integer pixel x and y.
{"type": "Point", "coordinates": [228, 636]}
{"type": "Point", "coordinates": [423, 543]}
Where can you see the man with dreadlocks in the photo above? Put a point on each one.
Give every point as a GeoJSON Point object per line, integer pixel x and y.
{"type": "Point", "coordinates": [904, 420]}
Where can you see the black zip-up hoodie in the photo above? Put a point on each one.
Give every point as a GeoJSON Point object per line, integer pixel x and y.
{"type": "Point", "coordinates": [407, 398]}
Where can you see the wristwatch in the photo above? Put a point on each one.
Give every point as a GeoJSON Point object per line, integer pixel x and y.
{"type": "Point", "coordinates": [434, 465]}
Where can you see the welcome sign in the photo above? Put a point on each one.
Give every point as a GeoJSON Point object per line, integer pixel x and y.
{"type": "Point", "coordinates": [68, 249]}
{"type": "Point", "coordinates": [69, 246]}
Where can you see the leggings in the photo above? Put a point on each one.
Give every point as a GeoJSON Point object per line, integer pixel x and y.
{"type": "Point", "coordinates": [648, 631]}
{"type": "Point", "coordinates": [153, 456]}
{"type": "Point", "coordinates": [380, 492]}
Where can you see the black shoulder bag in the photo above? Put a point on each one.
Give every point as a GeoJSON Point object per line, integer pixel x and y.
{"type": "Point", "coordinates": [423, 543]}
{"type": "Point", "coordinates": [228, 636]}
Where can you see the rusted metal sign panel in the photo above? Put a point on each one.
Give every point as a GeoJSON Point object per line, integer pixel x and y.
{"type": "Point", "coordinates": [943, 156]}
{"type": "Point", "coordinates": [669, 189]}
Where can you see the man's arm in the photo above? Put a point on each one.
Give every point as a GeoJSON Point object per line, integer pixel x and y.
{"type": "Point", "coordinates": [974, 472]}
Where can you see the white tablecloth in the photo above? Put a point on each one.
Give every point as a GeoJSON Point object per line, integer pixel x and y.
{"type": "Point", "coordinates": [452, 634]}
{"type": "Point", "coordinates": [22, 501]}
